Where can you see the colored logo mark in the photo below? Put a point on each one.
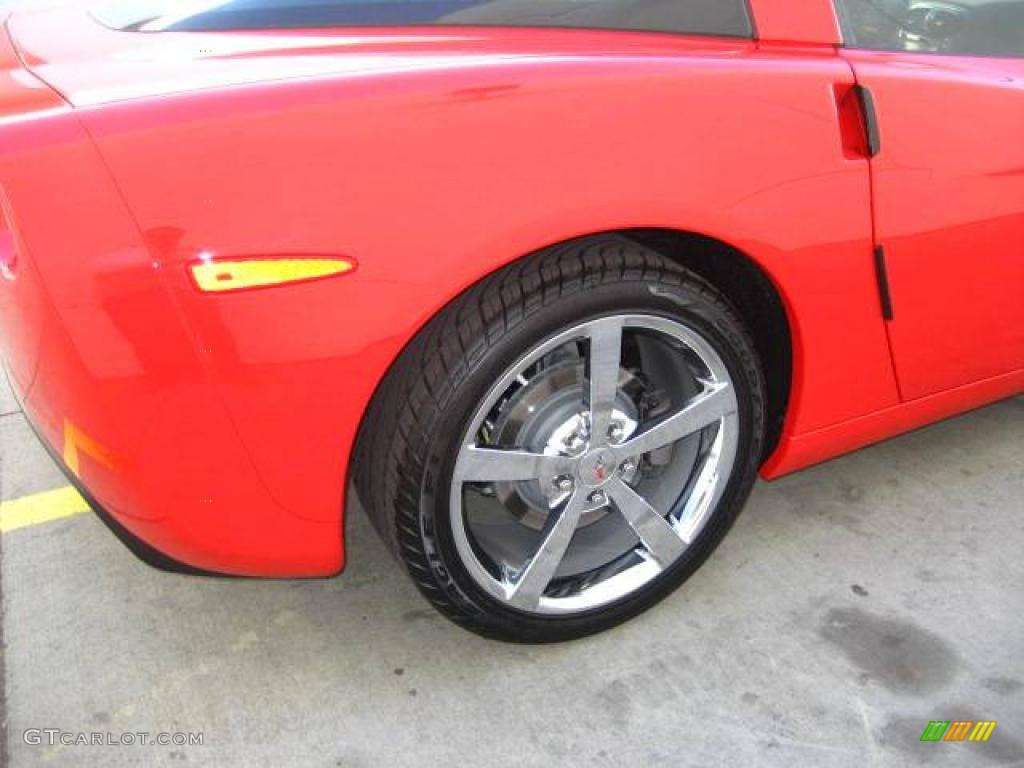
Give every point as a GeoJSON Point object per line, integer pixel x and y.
{"type": "Point", "coordinates": [958, 730]}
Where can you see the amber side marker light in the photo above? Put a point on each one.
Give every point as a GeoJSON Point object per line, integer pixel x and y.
{"type": "Point", "coordinates": [218, 276]}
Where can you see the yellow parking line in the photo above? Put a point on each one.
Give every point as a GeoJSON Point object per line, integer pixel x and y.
{"type": "Point", "coordinates": [40, 508]}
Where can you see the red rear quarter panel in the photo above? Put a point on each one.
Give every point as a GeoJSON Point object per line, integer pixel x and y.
{"type": "Point", "coordinates": [431, 157]}
{"type": "Point", "coordinates": [448, 166]}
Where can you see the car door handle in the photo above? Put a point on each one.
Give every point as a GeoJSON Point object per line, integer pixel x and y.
{"type": "Point", "coordinates": [870, 115]}
{"type": "Point", "coordinates": [858, 120]}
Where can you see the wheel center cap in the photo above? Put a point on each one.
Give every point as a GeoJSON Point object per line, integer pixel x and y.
{"type": "Point", "coordinates": [596, 468]}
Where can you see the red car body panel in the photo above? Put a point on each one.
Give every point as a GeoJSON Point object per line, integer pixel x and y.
{"type": "Point", "coordinates": [949, 208]}
{"type": "Point", "coordinates": [111, 376]}
{"type": "Point", "coordinates": [814, 23]}
{"type": "Point", "coordinates": [219, 428]}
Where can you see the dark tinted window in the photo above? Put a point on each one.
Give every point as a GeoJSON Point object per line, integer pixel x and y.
{"type": "Point", "coordinates": [727, 18]}
{"type": "Point", "coordinates": [964, 27]}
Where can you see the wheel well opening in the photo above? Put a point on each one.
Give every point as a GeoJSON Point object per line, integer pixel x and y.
{"type": "Point", "coordinates": [755, 299]}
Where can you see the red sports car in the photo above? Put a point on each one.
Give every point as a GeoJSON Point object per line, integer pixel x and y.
{"type": "Point", "coordinates": [547, 283]}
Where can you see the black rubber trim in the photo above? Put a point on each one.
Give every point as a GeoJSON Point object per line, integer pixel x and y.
{"type": "Point", "coordinates": [882, 275]}
{"type": "Point", "coordinates": [867, 106]}
{"type": "Point", "coordinates": [142, 550]}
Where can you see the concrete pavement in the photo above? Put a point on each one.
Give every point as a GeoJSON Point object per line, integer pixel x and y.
{"type": "Point", "coordinates": [851, 605]}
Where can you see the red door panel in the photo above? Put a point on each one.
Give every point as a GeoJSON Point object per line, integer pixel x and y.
{"type": "Point", "coordinates": [949, 209]}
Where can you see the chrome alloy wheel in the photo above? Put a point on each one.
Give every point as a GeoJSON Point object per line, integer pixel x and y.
{"type": "Point", "coordinates": [593, 464]}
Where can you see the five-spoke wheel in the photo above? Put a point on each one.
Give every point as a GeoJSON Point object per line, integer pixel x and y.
{"type": "Point", "coordinates": [595, 441]}
{"type": "Point", "coordinates": [566, 443]}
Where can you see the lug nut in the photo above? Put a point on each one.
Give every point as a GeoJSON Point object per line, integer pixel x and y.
{"type": "Point", "coordinates": [615, 432]}
{"type": "Point", "coordinates": [575, 444]}
{"type": "Point", "coordinates": [598, 497]}
{"type": "Point", "coordinates": [563, 483]}
{"type": "Point", "coordinates": [627, 466]}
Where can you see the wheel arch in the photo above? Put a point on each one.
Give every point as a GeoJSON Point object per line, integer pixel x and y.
{"type": "Point", "coordinates": [756, 299]}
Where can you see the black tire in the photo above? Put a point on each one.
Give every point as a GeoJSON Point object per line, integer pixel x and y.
{"type": "Point", "coordinates": [409, 438]}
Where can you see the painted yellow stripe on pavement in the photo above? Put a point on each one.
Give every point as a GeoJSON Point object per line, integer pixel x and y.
{"type": "Point", "coordinates": [40, 508]}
